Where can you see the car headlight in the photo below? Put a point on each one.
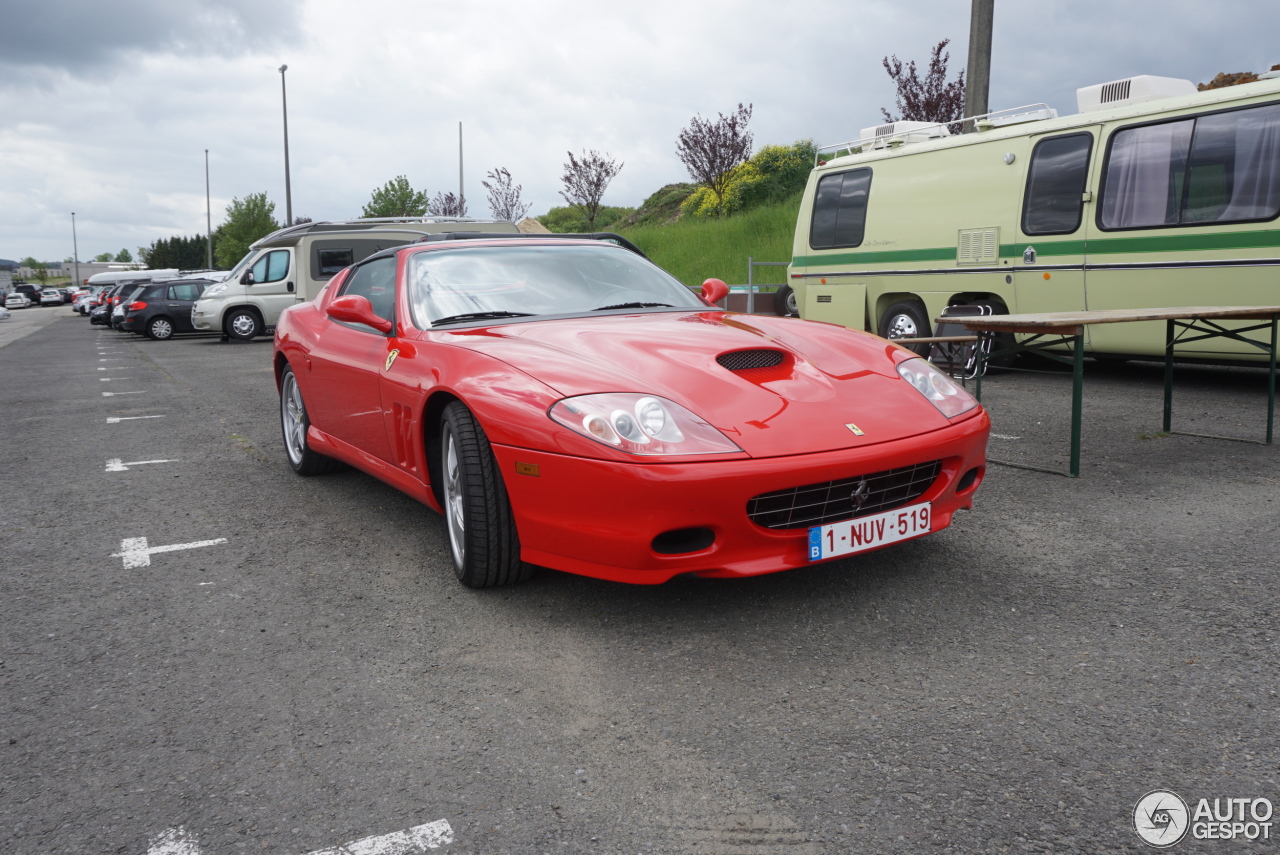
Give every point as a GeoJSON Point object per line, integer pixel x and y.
{"type": "Point", "coordinates": [640, 424]}
{"type": "Point", "coordinates": [215, 290]}
{"type": "Point", "coordinates": [937, 387]}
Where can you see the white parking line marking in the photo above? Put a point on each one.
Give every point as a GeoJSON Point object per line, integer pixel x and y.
{"type": "Point", "coordinates": [175, 841]}
{"type": "Point", "coordinates": [115, 420]}
{"type": "Point", "coordinates": [109, 379]}
{"type": "Point", "coordinates": [113, 394]}
{"type": "Point", "coordinates": [112, 359]}
{"type": "Point", "coordinates": [114, 368]}
{"type": "Point", "coordinates": [411, 841]}
{"type": "Point", "coordinates": [136, 552]}
{"type": "Point", "coordinates": [114, 464]}
{"type": "Point", "coordinates": [1003, 436]}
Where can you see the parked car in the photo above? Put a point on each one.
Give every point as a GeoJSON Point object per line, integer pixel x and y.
{"type": "Point", "coordinates": [4, 314]}
{"type": "Point", "coordinates": [16, 300]}
{"type": "Point", "coordinates": [31, 292]}
{"type": "Point", "coordinates": [98, 315]}
{"type": "Point", "coordinates": [121, 300]}
{"type": "Point", "coordinates": [566, 403]}
{"type": "Point", "coordinates": [162, 309]}
{"type": "Point", "coordinates": [51, 297]}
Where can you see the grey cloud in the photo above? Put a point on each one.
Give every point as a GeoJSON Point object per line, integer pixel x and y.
{"type": "Point", "coordinates": [81, 36]}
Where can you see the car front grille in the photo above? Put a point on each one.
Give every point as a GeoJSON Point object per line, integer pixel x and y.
{"type": "Point", "coordinates": [833, 501]}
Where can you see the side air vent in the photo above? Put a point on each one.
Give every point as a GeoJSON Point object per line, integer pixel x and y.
{"type": "Point", "coordinates": [745, 360]}
{"type": "Point", "coordinates": [978, 246]}
{"type": "Point", "coordinates": [1131, 90]}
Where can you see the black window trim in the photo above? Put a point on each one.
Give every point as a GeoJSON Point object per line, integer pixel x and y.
{"type": "Point", "coordinates": [814, 212]}
{"type": "Point", "coordinates": [1194, 117]}
{"type": "Point", "coordinates": [1026, 190]}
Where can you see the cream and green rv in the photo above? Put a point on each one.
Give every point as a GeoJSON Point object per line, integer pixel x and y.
{"type": "Point", "coordinates": [1153, 195]}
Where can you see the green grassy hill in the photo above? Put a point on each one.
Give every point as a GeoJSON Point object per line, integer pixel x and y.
{"type": "Point", "coordinates": [696, 249]}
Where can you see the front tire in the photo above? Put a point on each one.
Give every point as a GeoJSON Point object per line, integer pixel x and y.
{"type": "Point", "coordinates": [907, 319]}
{"type": "Point", "coordinates": [160, 329]}
{"type": "Point", "coordinates": [482, 530]}
{"type": "Point", "coordinates": [294, 424]}
{"type": "Point", "coordinates": [243, 324]}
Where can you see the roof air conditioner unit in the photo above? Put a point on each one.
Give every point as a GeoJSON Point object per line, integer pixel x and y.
{"type": "Point", "coordinates": [1131, 90]}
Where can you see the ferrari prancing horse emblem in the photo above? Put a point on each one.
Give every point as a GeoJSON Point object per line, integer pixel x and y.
{"type": "Point", "coordinates": [857, 431]}
{"type": "Point", "coordinates": [391, 357]}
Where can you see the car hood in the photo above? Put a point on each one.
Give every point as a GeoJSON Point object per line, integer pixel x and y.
{"type": "Point", "coordinates": [828, 379]}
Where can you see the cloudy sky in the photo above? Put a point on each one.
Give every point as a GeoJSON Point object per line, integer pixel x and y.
{"type": "Point", "coordinates": [108, 107]}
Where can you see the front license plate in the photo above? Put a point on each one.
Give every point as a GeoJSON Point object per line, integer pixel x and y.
{"type": "Point", "coordinates": [863, 533]}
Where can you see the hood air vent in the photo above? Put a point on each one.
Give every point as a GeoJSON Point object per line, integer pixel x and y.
{"type": "Point", "coordinates": [745, 360]}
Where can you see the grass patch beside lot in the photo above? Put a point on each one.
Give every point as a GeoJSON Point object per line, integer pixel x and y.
{"type": "Point", "coordinates": [693, 250]}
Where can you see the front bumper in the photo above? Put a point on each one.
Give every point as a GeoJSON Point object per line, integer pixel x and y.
{"type": "Point", "coordinates": [599, 518]}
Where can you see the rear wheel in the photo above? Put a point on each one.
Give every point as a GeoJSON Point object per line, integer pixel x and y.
{"type": "Point", "coordinates": [160, 329]}
{"type": "Point", "coordinates": [482, 529]}
{"type": "Point", "coordinates": [784, 302]}
{"type": "Point", "coordinates": [907, 319]}
{"type": "Point", "coordinates": [294, 424]}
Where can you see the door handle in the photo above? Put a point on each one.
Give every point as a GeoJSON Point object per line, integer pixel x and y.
{"type": "Point", "coordinates": [288, 286]}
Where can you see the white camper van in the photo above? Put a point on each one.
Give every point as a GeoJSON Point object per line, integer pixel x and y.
{"type": "Point", "coordinates": [294, 264]}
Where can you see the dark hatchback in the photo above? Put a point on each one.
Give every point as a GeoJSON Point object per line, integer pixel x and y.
{"type": "Point", "coordinates": [164, 308]}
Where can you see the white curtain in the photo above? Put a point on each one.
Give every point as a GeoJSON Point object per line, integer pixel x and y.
{"type": "Point", "coordinates": [1140, 173]}
{"type": "Point", "coordinates": [1255, 190]}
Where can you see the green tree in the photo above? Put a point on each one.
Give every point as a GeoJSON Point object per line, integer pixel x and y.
{"type": "Point", "coordinates": [102, 256]}
{"type": "Point", "coordinates": [246, 222]}
{"type": "Point", "coordinates": [396, 198]}
{"type": "Point", "coordinates": [123, 255]}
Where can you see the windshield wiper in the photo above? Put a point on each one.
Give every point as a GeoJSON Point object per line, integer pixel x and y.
{"type": "Point", "coordinates": [480, 316]}
{"type": "Point", "coordinates": [635, 306]}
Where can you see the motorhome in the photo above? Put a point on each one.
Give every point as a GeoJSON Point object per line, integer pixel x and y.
{"type": "Point", "coordinates": [1153, 195]}
{"type": "Point", "coordinates": [294, 264]}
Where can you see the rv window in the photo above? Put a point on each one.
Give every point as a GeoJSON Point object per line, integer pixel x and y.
{"type": "Point", "coordinates": [375, 281]}
{"type": "Point", "coordinates": [1235, 167]}
{"type": "Point", "coordinates": [1055, 185]}
{"type": "Point", "coordinates": [1219, 168]}
{"type": "Point", "coordinates": [840, 209]}
{"type": "Point", "coordinates": [333, 260]}
{"type": "Point", "coordinates": [271, 267]}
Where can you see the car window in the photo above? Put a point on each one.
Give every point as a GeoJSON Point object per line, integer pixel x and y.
{"type": "Point", "coordinates": [376, 282]}
{"type": "Point", "coordinates": [185, 291]}
{"type": "Point", "coordinates": [271, 267]}
{"type": "Point", "coordinates": [537, 280]}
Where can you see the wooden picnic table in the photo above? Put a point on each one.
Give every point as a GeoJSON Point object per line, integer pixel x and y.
{"type": "Point", "coordinates": [1183, 324]}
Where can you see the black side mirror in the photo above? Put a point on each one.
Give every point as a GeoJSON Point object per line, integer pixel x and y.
{"type": "Point", "coordinates": [247, 278]}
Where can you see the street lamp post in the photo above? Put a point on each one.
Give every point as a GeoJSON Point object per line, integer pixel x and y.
{"type": "Point", "coordinates": [208, 216]}
{"type": "Point", "coordinates": [288, 195]}
{"type": "Point", "coordinates": [75, 249]}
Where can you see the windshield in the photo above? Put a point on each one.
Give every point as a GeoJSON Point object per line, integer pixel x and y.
{"type": "Point", "coordinates": [536, 280]}
{"type": "Point", "coordinates": [234, 273]}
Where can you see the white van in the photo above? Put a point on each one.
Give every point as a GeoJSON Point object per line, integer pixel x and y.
{"type": "Point", "coordinates": [294, 264]}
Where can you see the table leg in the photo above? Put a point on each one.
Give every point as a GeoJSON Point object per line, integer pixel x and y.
{"type": "Point", "coordinates": [1077, 395]}
{"type": "Point", "coordinates": [1168, 376]}
{"type": "Point", "coordinates": [1271, 382]}
{"type": "Point", "coordinates": [981, 366]}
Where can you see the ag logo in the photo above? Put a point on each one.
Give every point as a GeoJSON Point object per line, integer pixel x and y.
{"type": "Point", "coordinates": [1161, 818]}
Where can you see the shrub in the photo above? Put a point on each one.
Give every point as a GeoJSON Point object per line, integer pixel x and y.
{"type": "Point", "coordinates": [774, 173]}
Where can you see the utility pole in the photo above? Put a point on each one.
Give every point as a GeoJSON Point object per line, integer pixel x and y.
{"type": "Point", "coordinates": [288, 195]}
{"type": "Point", "coordinates": [208, 215]}
{"type": "Point", "coordinates": [462, 204]}
{"type": "Point", "coordinates": [977, 82]}
{"type": "Point", "coordinates": [75, 249]}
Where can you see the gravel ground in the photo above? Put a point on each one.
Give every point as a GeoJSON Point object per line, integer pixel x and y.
{"type": "Point", "coordinates": [1013, 684]}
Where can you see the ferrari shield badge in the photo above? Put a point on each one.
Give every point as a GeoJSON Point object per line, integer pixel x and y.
{"type": "Point", "coordinates": [391, 357]}
{"type": "Point", "coordinates": [857, 431]}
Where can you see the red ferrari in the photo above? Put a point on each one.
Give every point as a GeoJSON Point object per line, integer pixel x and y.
{"type": "Point", "coordinates": [568, 404]}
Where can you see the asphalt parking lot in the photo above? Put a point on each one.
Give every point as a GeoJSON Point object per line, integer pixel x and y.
{"type": "Point", "coordinates": [301, 671]}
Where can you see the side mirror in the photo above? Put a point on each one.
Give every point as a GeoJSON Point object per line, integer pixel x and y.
{"type": "Point", "coordinates": [247, 278]}
{"type": "Point", "coordinates": [714, 290]}
{"type": "Point", "coordinates": [354, 309]}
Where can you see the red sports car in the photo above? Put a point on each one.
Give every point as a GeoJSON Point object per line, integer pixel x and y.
{"type": "Point", "coordinates": [568, 404]}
